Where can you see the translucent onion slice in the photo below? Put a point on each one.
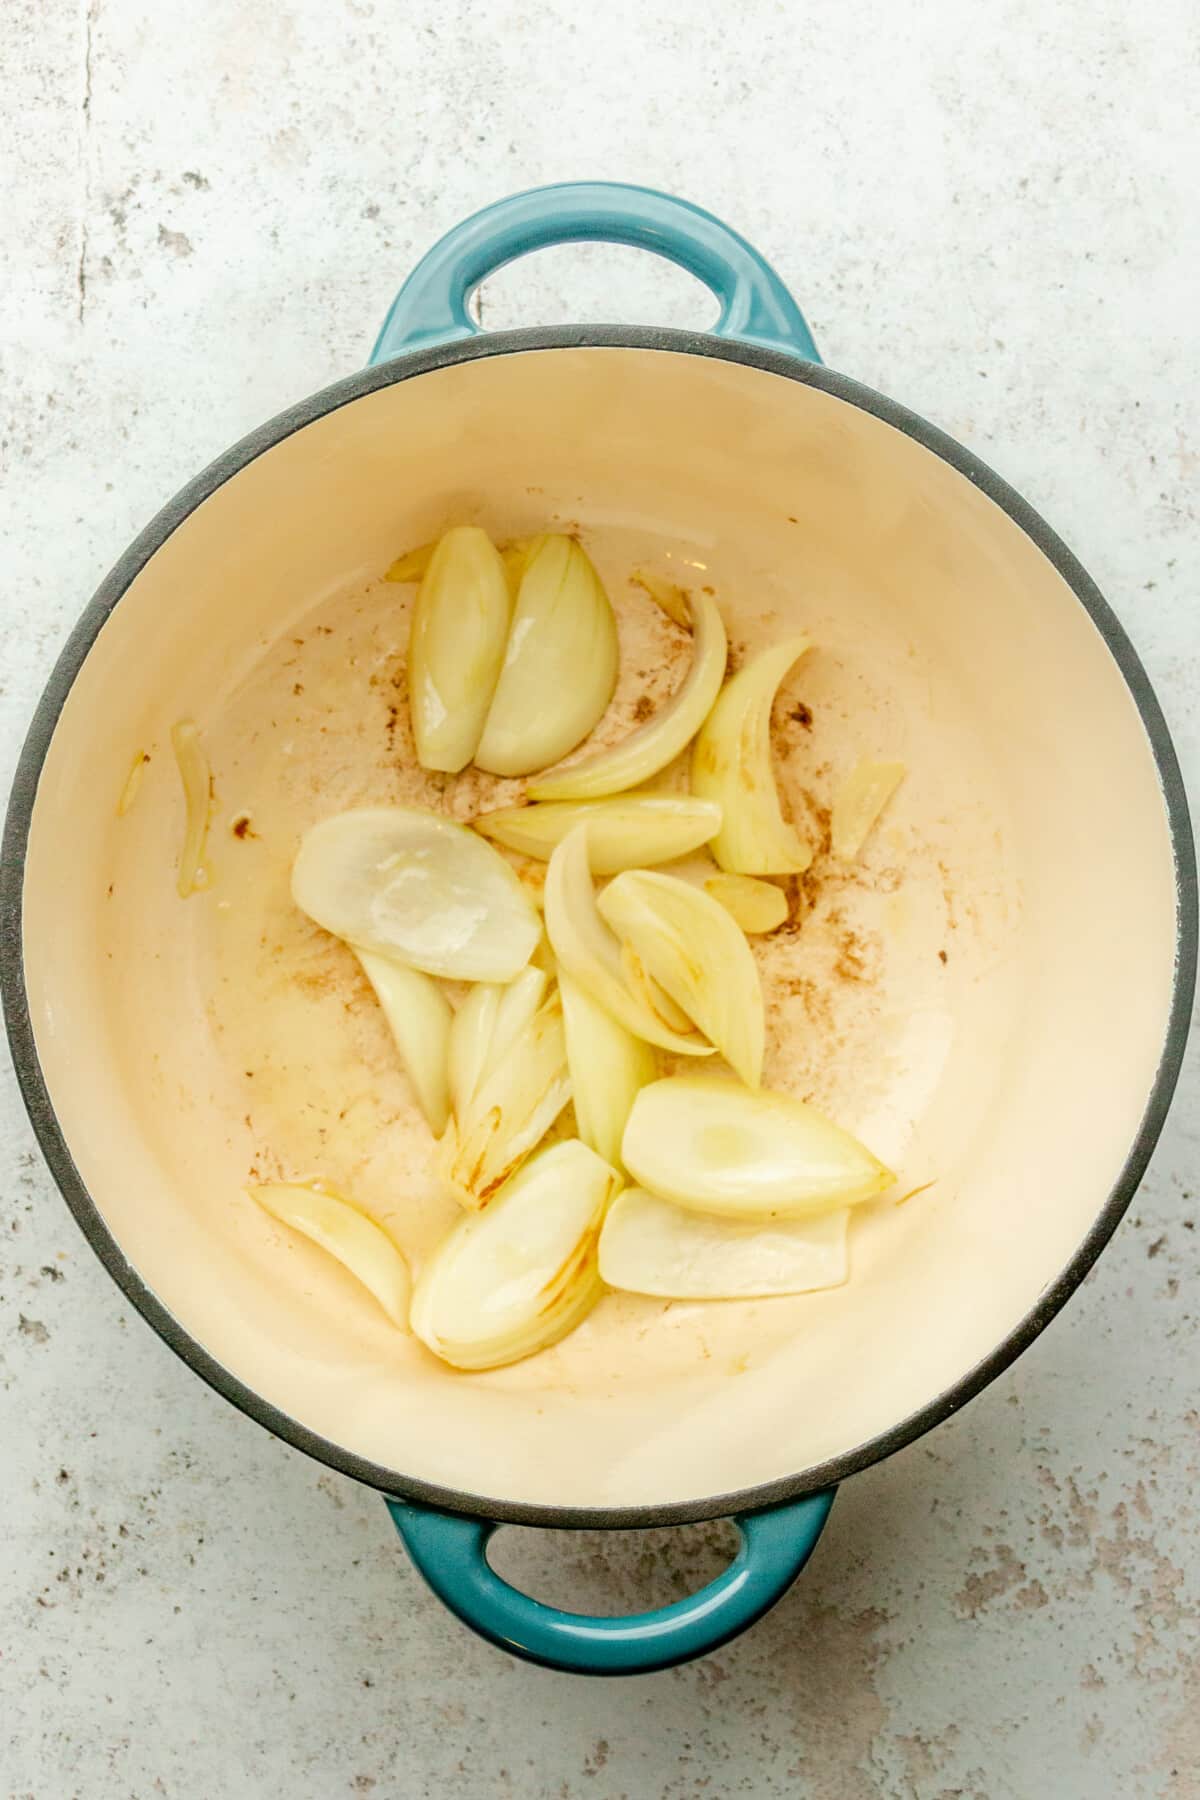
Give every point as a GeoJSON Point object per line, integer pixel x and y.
{"type": "Point", "coordinates": [510, 1112]}
{"type": "Point", "coordinates": [413, 564]}
{"type": "Point", "coordinates": [649, 1246]}
{"type": "Point", "coordinates": [756, 905]}
{"type": "Point", "coordinates": [560, 667]}
{"type": "Point", "coordinates": [470, 1040]}
{"type": "Point", "coordinates": [717, 1147]}
{"type": "Point", "coordinates": [196, 776]}
{"type": "Point", "coordinates": [640, 984]}
{"type": "Point", "coordinates": [516, 1278]}
{"type": "Point", "coordinates": [418, 888]}
{"type": "Point", "coordinates": [691, 947]}
{"type": "Point", "coordinates": [859, 802]}
{"type": "Point", "coordinates": [587, 950]}
{"type": "Point", "coordinates": [731, 764]}
{"type": "Point", "coordinates": [419, 1017]}
{"type": "Point", "coordinates": [669, 595]}
{"type": "Point", "coordinates": [629, 832]}
{"type": "Point", "coordinates": [656, 743]}
{"type": "Point", "coordinates": [457, 647]}
{"type": "Point", "coordinates": [133, 782]}
{"type": "Point", "coordinates": [482, 1030]}
{"type": "Point", "coordinates": [337, 1226]}
{"type": "Point", "coordinates": [608, 1067]}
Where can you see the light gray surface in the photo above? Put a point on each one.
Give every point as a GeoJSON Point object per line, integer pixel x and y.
{"type": "Point", "coordinates": [988, 211]}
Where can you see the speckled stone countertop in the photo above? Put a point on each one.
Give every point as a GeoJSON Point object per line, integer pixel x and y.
{"type": "Point", "coordinates": [988, 212]}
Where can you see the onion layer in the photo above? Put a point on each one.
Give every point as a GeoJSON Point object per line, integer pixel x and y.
{"type": "Point", "coordinates": [692, 948]}
{"type": "Point", "coordinates": [608, 1067]}
{"type": "Point", "coordinates": [717, 1147]}
{"type": "Point", "coordinates": [656, 743]}
{"type": "Point", "coordinates": [628, 832]}
{"type": "Point", "coordinates": [649, 1246]}
{"type": "Point", "coordinates": [756, 905]}
{"type": "Point", "coordinates": [456, 649]}
{"type": "Point", "coordinates": [418, 1016]}
{"type": "Point", "coordinates": [858, 804]}
{"type": "Point", "coordinates": [587, 950]}
{"type": "Point", "coordinates": [357, 1242]}
{"type": "Point", "coordinates": [560, 666]}
{"type": "Point", "coordinates": [731, 764]}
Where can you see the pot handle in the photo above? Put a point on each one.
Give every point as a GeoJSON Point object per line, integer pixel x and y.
{"type": "Point", "coordinates": [431, 307]}
{"type": "Point", "coordinates": [450, 1551]}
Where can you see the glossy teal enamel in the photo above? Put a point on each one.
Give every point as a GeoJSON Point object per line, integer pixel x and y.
{"type": "Point", "coordinates": [450, 1551]}
{"type": "Point", "coordinates": [431, 307]}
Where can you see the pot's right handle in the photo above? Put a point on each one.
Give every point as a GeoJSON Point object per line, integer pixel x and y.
{"type": "Point", "coordinates": [431, 307]}
{"type": "Point", "coordinates": [450, 1551]}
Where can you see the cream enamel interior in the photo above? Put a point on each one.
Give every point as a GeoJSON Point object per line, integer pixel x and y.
{"type": "Point", "coordinates": [189, 1044]}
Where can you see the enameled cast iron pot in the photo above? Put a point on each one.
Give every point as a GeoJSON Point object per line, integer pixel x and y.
{"type": "Point", "coordinates": [997, 1003]}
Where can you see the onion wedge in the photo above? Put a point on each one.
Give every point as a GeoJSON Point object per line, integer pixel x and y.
{"type": "Point", "coordinates": [656, 743]}
{"type": "Point", "coordinates": [628, 832]}
{"type": "Point", "coordinates": [731, 764]}
{"type": "Point", "coordinates": [511, 1110]}
{"type": "Point", "coordinates": [649, 1246]}
{"type": "Point", "coordinates": [560, 666]}
{"type": "Point", "coordinates": [516, 1278]}
{"type": "Point", "coordinates": [756, 905]}
{"type": "Point", "coordinates": [457, 646]}
{"type": "Point", "coordinates": [858, 804]}
{"type": "Point", "coordinates": [419, 889]}
{"type": "Point", "coordinates": [419, 1017]}
{"type": "Point", "coordinates": [357, 1242]}
{"type": "Point", "coordinates": [484, 1027]}
{"type": "Point", "coordinates": [608, 1067]}
{"type": "Point", "coordinates": [692, 948]}
{"type": "Point", "coordinates": [587, 950]}
{"type": "Point", "coordinates": [714, 1146]}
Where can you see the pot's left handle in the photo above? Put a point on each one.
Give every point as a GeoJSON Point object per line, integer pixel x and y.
{"type": "Point", "coordinates": [450, 1551]}
{"type": "Point", "coordinates": [432, 306]}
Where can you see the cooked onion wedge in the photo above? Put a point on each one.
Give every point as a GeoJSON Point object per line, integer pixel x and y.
{"type": "Point", "coordinates": [515, 555]}
{"type": "Point", "coordinates": [419, 889]}
{"type": "Point", "coordinates": [518, 1277]}
{"type": "Point", "coordinates": [656, 743]}
{"type": "Point", "coordinates": [560, 666]}
{"type": "Point", "coordinates": [643, 987]}
{"type": "Point", "coordinates": [470, 1040]}
{"type": "Point", "coordinates": [419, 1017]}
{"type": "Point", "coordinates": [587, 950]}
{"type": "Point", "coordinates": [608, 1066]}
{"type": "Point", "coordinates": [649, 1246]}
{"type": "Point", "coordinates": [692, 948]}
{"type": "Point", "coordinates": [457, 647]}
{"type": "Point", "coordinates": [628, 832]}
{"type": "Point", "coordinates": [522, 1092]}
{"type": "Point", "coordinates": [337, 1226]}
{"type": "Point", "coordinates": [859, 802]}
{"type": "Point", "coordinates": [484, 1027]}
{"type": "Point", "coordinates": [731, 764]}
{"type": "Point", "coordinates": [714, 1146]}
{"type": "Point", "coordinates": [756, 905]}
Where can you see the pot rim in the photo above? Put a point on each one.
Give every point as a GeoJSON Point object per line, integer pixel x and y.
{"type": "Point", "coordinates": [16, 1003]}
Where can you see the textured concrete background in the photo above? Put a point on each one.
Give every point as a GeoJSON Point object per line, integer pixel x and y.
{"type": "Point", "coordinates": [989, 211]}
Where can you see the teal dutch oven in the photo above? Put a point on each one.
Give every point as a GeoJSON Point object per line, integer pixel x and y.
{"type": "Point", "coordinates": [997, 1001]}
